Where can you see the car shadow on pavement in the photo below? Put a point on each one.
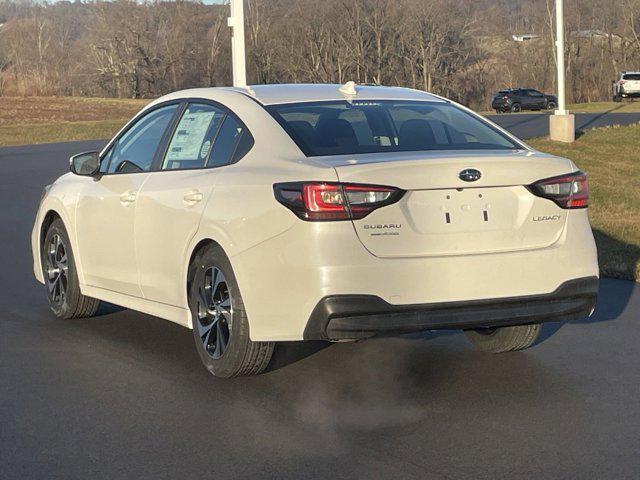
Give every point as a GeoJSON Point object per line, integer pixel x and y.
{"type": "Point", "coordinates": [288, 353]}
{"type": "Point", "coordinates": [108, 309]}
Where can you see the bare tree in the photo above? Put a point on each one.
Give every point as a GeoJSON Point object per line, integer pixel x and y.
{"type": "Point", "coordinates": [458, 48]}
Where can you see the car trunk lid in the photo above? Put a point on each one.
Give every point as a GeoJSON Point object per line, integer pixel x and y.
{"type": "Point", "coordinates": [441, 214]}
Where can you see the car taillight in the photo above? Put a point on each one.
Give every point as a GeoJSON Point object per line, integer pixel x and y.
{"type": "Point", "coordinates": [327, 201]}
{"type": "Point", "coordinates": [622, 82]}
{"type": "Point", "coordinates": [568, 191]}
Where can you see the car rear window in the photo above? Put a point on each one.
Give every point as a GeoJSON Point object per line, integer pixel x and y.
{"type": "Point", "coordinates": [631, 76]}
{"type": "Point", "coordinates": [355, 127]}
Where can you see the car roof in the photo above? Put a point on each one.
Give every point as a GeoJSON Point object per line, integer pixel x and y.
{"type": "Point", "coordinates": [300, 92]}
{"type": "Point", "coordinates": [294, 93]}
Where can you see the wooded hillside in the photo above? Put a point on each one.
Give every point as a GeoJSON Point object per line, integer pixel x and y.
{"type": "Point", "coordinates": [462, 49]}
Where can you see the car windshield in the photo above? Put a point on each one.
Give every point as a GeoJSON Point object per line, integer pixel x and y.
{"type": "Point", "coordinates": [354, 127]}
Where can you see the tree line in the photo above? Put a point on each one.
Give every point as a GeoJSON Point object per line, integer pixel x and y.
{"type": "Point", "coordinates": [462, 49]}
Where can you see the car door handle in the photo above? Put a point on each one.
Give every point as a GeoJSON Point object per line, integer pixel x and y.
{"type": "Point", "coordinates": [192, 197]}
{"type": "Point", "coordinates": [127, 198]}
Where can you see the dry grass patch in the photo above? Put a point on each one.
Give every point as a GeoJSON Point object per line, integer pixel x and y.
{"type": "Point", "coordinates": [30, 134]}
{"type": "Point", "coordinates": [18, 110]}
{"type": "Point", "coordinates": [610, 157]}
{"type": "Point", "coordinates": [29, 120]}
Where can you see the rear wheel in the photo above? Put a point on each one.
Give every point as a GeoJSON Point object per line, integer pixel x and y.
{"type": "Point", "coordinates": [515, 108]}
{"type": "Point", "coordinates": [220, 324]}
{"type": "Point", "coordinates": [61, 278]}
{"type": "Point", "coordinates": [551, 106]}
{"type": "Point", "coordinates": [504, 339]}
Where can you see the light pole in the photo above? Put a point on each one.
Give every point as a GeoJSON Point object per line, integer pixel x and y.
{"type": "Point", "coordinates": [561, 123]}
{"type": "Point", "coordinates": [562, 107]}
{"type": "Point", "coordinates": [236, 22]}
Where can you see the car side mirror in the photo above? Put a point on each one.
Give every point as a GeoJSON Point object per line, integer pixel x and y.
{"type": "Point", "coordinates": [87, 163]}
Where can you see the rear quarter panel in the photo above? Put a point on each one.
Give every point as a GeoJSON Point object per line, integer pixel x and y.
{"type": "Point", "coordinates": [242, 211]}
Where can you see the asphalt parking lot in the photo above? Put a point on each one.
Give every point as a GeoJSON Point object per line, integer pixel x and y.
{"type": "Point", "coordinates": [531, 125]}
{"type": "Point", "coordinates": [123, 395]}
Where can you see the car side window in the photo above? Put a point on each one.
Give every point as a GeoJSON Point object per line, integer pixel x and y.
{"type": "Point", "coordinates": [535, 93]}
{"type": "Point", "coordinates": [191, 143]}
{"type": "Point", "coordinates": [231, 144]}
{"type": "Point", "coordinates": [136, 148]}
{"type": "Point", "coordinates": [104, 161]}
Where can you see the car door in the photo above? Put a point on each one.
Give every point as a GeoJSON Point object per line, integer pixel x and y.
{"type": "Point", "coordinates": [173, 198]}
{"type": "Point", "coordinates": [537, 99]}
{"type": "Point", "coordinates": [524, 99]}
{"type": "Point", "coordinates": [106, 207]}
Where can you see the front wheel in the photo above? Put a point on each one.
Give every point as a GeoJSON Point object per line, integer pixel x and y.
{"type": "Point", "coordinates": [551, 106]}
{"type": "Point", "coordinates": [516, 107]}
{"type": "Point", "coordinates": [504, 339]}
{"type": "Point", "coordinates": [219, 320]}
{"type": "Point", "coordinates": [61, 278]}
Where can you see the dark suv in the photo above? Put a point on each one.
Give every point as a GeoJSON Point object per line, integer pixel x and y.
{"type": "Point", "coordinates": [519, 99]}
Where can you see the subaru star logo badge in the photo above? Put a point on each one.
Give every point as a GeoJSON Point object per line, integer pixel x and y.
{"type": "Point", "coordinates": [470, 175]}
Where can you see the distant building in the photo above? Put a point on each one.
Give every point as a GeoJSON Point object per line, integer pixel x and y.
{"type": "Point", "coordinates": [526, 37]}
{"type": "Point", "coordinates": [593, 34]}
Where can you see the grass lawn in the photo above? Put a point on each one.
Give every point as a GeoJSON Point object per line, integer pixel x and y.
{"type": "Point", "coordinates": [29, 120]}
{"type": "Point", "coordinates": [610, 157]}
{"type": "Point", "coordinates": [625, 106]}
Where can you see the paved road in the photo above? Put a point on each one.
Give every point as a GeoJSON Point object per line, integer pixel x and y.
{"type": "Point", "coordinates": [531, 125]}
{"type": "Point", "coordinates": [123, 395]}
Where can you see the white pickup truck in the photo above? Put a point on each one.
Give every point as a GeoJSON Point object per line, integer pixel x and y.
{"type": "Point", "coordinates": [627, 85]}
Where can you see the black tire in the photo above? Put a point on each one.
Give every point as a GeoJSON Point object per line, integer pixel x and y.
{"type": "Point", "coordinates": [61, 277]}
{"type": "Point", "coordinates": [504, 339]}
{"type": "Point", "coordinates": [516, 107]}
{"type": "Point", "coordinates": [617, 98]}
{"type": "Point", "coordinates": [551, 106]}
{"type": "Point", "coordinates": [231, 353]}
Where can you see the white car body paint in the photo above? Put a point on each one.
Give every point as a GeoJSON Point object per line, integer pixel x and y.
{"type": "Point", "coordinates": [137, 254]}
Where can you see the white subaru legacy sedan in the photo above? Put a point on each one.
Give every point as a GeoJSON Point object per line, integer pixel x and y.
{"type": "Point", "coordinates": [318, 212]}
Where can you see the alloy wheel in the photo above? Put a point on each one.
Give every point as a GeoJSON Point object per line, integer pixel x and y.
{"type": "Point", "coordinates": [214, 312]}
{"type": "Point", "coordinates": [57, 269]}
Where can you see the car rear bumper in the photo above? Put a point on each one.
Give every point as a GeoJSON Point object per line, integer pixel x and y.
{"type": "Point", "coordinates": [340, 317]}
{"type": "Point", "coordinates": [283, 280]}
